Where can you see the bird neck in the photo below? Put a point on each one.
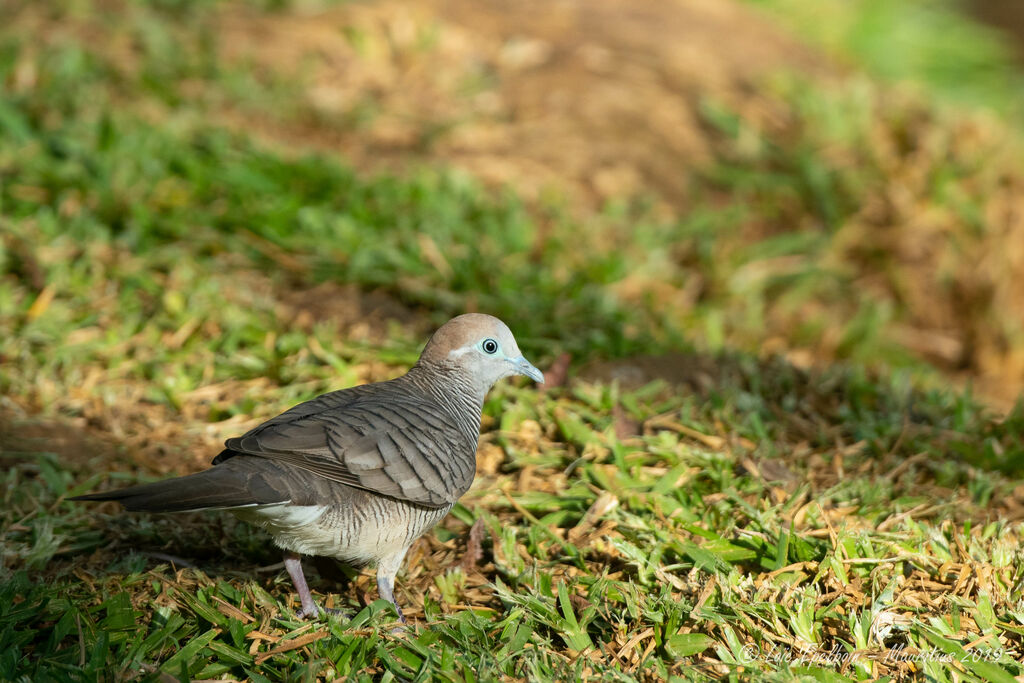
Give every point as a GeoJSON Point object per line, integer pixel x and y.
{"type": "Point", "coordinates": [448, 386]}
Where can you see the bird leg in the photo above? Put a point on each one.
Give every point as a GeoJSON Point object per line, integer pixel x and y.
{"type": "Point", "coordinates": [293, 563]}
{"type": "Point", "coordinates": [387, 569]}
{"type": "Point", "coordinates": [386, 586]}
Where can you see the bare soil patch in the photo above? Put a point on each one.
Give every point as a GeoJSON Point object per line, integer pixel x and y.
{"type": "Point", "coordinates": [596, 101]}
{"type": "Point", "coordinates": [357, 314]}
{"type": "Point", "coordinates": [77, 447]}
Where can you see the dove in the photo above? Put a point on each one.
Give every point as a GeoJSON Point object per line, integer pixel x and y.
{"type": "Point", "coordinates": [360, 473]}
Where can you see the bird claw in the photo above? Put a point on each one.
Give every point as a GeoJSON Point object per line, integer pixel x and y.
{"type": "Point", "coordinates": [317, 611]}
{"type": "Point", "coordinates": [303, 613]}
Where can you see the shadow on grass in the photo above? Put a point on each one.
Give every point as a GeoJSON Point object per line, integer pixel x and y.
{"type": "Point", "coordinates": [48, 460]}
{"type": "Point", "coordinates": [780, 406]}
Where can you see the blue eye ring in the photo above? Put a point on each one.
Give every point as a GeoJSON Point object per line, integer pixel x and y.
{"type": "Point", "coordinates": [489, 346]}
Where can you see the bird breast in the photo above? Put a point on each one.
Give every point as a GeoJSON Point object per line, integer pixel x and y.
{"type": "Point", "coordinates": [358, 532]}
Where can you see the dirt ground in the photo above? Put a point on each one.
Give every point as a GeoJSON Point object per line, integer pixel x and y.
{"type": "Point", "coordinates": [1006, 15]}
{"type": "Point", "coordinates": [590, 100]}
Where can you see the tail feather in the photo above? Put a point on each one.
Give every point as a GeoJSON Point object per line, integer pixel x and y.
{"type": "Point", "coordinates": [218, 487]}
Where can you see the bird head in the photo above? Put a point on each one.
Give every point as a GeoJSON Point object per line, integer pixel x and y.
{"type": "Point", "coordinates": [480, 346]}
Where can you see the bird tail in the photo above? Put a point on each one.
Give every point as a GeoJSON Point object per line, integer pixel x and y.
{"type": "Point", "coordinates": [211, 489]}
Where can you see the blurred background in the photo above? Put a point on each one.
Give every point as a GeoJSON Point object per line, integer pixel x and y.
{"type": "Point", "coordinates": [792, 231]}
{"type": "Point", "coordinates": [202, 199]}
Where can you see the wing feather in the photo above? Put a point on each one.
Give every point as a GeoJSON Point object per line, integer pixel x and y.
{"type": "Point", "coordinates": [384, 441]}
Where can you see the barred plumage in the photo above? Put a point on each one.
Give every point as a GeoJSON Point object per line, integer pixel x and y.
{"type": "Point", "coordinates": [361, 473]}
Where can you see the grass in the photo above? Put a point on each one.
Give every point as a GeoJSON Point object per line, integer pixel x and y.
{"type": "Point", "coordinates": [934, 44]}
{"type": "Point", "coordinates": [831, 227]}
{"type": "Point", "coordinates": [721, 526]}
{"type": "Point", "coordinates": [165, 284]}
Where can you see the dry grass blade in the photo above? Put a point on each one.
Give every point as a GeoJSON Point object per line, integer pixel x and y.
{"type": "Point", "coordinates": [292, 644]}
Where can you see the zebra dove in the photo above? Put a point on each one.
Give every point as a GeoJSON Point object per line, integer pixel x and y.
{"type": "Point", "coordinates": [357, 474]}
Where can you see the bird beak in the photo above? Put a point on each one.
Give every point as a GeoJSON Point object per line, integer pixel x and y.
{"type": "Point", "coordinates": [525, 367]}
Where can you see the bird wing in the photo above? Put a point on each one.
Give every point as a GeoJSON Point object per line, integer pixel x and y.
{"type": "Point", "coordinates": [388, 444]}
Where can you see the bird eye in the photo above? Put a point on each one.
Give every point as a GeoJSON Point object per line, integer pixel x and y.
{"type": "Point", "coordinates": [490, 346]}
